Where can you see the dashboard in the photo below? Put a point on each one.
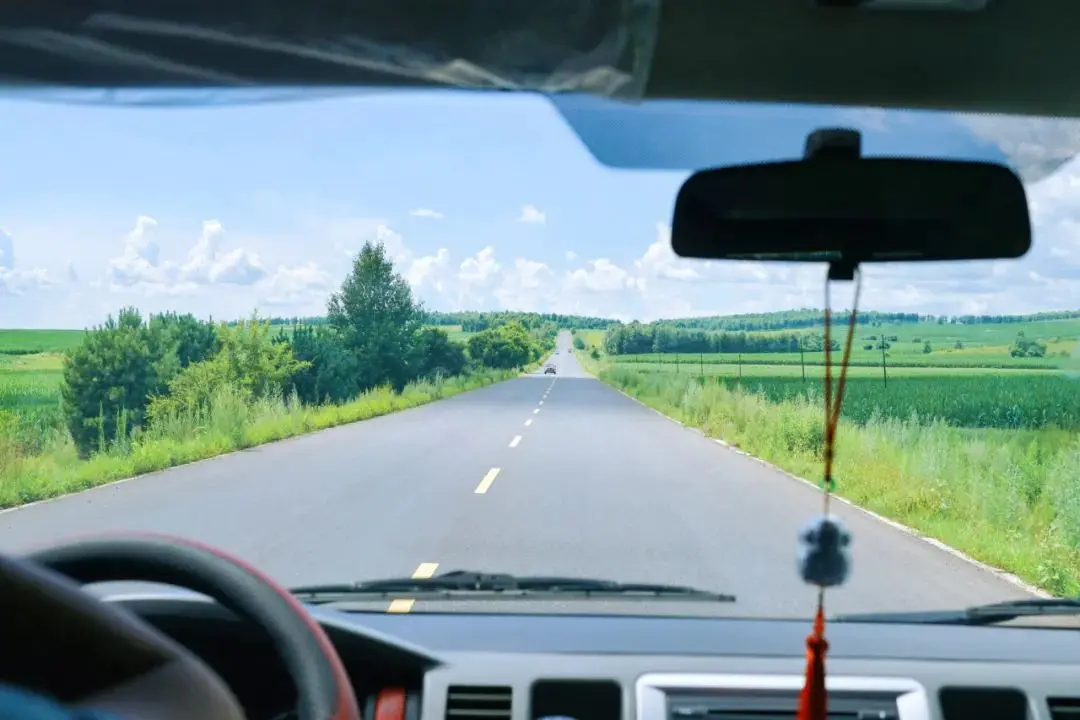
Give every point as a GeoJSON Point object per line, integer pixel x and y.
{"type": "Point", "coordinates": [464, 666]}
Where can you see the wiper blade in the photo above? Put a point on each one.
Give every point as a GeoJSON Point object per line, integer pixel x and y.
{"type": "Point", "coordinates": [470, 585]}
{"type": "Point", "coordinates": [991, 614]}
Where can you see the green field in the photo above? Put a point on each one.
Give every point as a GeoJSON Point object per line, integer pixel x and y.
{"type": "Point", "coordinates": [964, 443]}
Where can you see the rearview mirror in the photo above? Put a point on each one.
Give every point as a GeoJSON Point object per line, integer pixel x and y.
{"type": "Point", "coordinates": [837, 207]}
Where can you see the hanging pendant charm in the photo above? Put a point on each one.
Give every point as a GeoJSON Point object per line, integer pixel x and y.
{"type": "Point", "coordinates": [824, 554]}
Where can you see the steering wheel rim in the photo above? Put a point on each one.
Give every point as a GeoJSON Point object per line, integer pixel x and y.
{"type": "Point", "coordinates": [324, 691]}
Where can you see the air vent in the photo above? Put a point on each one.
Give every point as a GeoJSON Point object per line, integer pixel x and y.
{"type": "Point", "coordinates": [1064, 708]}
{"type": "Point", "coordinates": [975, 703]}
{"type": "Point", "coordinates": [771, 705]}
{"type": "Point", "coordinates": [478, 702]}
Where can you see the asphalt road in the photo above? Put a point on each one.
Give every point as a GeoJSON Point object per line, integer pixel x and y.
{"type": "Point", "coordinates": [538, 475]}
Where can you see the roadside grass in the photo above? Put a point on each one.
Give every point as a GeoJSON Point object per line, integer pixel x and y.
{"type": "Point", "coordinates": [1009, 498]}
{"type": "Point", "coordinates": [229, 424]}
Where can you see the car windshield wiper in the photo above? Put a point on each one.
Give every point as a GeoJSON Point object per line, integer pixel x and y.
{"type": "Point", "coordinates": [976, 615]}
{"type": "Point", "coordinates": [470, 585]}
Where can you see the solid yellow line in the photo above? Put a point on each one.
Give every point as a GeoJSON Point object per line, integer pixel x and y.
{"type": "Point", "coordinates": [515, 441]}
{"type": "Point", "coordinates": [486, 482]}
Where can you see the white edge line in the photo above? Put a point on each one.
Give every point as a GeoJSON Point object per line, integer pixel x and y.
{"type": "Point", "coordinates": [911, 532]}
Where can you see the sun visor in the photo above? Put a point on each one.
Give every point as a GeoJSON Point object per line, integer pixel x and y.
{"type": "Point", "coordinates": [603, 47]}
{"type": "Point", "coordinates": [692, 135]}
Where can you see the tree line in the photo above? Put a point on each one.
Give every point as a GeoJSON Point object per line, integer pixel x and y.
{"type": "Point", "coordinates": [476, 321]}
{"type": "Point", "coordinates": [636, 338]}
{"type": "Point", "coordinates": [134, 375]}
{"type": "Point", "coordinates": [811, 317]}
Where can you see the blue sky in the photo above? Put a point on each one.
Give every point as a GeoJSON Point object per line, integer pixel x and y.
{"type": "Point", "coordinates": [485, 201]}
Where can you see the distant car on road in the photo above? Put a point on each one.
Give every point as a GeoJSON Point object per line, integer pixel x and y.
{"type": "Point", "coordinates": [549, 369]}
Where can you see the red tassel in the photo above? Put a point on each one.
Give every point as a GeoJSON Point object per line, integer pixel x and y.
{"type": "Point", "coordinates": [814, 702]}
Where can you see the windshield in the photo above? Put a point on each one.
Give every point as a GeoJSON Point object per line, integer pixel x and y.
{"type": "Point", "coordinates": [448, 332]}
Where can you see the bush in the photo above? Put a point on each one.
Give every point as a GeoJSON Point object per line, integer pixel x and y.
{"type": "Point", "coordinates": [503, 347]}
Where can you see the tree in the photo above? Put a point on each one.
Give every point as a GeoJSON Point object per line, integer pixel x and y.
{"type": "Point", "coordinates": [506, 346]}
{"type": "Point", "coordinates": [434, 353]}
{"type": "Point", "coordinates": [376, 318]}
{"type": "Point", "coordinates": [109, 378]}
{"type": "Point", "coordinates": [579, 343]}
{"type": "Point", "coordinates": [250, 365]}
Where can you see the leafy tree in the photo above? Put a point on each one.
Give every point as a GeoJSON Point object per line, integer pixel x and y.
{"type": "Point", "coordinates": [249, 363]}
{"type": "Point", "coordinates": [109, 378]}
{"type": "Point", "coordinates": [926, 348]}
{"type": "Point", "coordinates": [376, 318]}
{"type": "Point", "coordinates": [193, 339]}
{"type": "Point", "coordinates": [506, 346]}
{"type": "Point", "coordinates": [1024, 347]}
{"type": "Point", "coordinates": [435, 353]}
{"type": "Point", "coordinates": [332, 371]}
{"type": "Point", "coordinates": [579, 343]}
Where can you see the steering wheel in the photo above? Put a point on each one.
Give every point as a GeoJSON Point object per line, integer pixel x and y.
{"type": "Point", "coordinates": [96, 654]}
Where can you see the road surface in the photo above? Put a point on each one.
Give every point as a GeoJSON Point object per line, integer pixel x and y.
{"type": "Point", "coordinates": [537, 475]}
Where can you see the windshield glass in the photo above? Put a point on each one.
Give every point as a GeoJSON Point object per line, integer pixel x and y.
{"type": "Point", "coordinates": [445, 329]}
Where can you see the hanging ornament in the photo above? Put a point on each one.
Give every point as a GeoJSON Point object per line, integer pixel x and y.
{"type": "Point", "coordinates": [824, 544]}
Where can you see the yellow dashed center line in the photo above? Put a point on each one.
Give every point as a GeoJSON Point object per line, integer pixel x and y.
{"type": "Point", "coordinates": [425, 570]}
{"type": "Point", "coordinates": [404, 605]}
{"type": "Point", "coordinates": [515, 441]}
{"type": "Point", "coordinates": [486, 482]}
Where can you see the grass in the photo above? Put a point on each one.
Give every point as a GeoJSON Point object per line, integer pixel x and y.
{"type": "Point", "coordinates": [1007, 497]}
{"type": "Point", "coordinates": [32, 342]}
{"type": "Point", "coordinates": [229, 425]}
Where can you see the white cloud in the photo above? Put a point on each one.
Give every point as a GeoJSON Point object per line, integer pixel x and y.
{"type": "Point", "coordinates": [1036, 146]}
{"type": "Point", "coordinates": [660, 261]}
{"type": "Point", "coordinates": [427, 213]}
{"type": "Point", "coordinates": [429, 270]}
{"type": "Point", "coordinates": [480, 268]}
{"type": "Point", "coordinates": [526, 286]}
{"type": "Point", "coordinates": [571, 255]}
{"type": "Point", "coordinates": [14, 281]}
{"type": "Point", "coordinates": [289, 285]}
{"type": "Point", "coordinates": [531, 214]}
{"type": "Point", "coordinates": [140, 268]}
{"type": "Point", "coordinates": [600, 277]}
{"type": "Point", "coordinates": [207, 265]}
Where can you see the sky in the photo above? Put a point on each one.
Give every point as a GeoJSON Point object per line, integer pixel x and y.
{"type": "Point", "coordinates": [484, 201]}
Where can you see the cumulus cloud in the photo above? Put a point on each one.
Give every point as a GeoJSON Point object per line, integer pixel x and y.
{"type": "Point", "coordinates": [531, 214]}
{"type": "Point", "coordinates": [427, 213]}
{"type": "Point", "coordinates": [17, 281]}
{"type": "Point", "coordinates": [526, 286]}
{"type": "Point", "coordinates": [297, 283]}
{"type": "Point", "coordinates": [140, 265]}
{"type": "Point", "coordinates": [480, 268]}
{"type": "Point", "coordinates": [1036, 146]}
{"type": "Point", "coordinates": [571, 255]}
{"type": "Point", "coordinates": [208, 264]}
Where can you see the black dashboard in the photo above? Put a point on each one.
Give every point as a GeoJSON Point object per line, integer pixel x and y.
{"type": "Point", "coordinates": [464, 666]}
